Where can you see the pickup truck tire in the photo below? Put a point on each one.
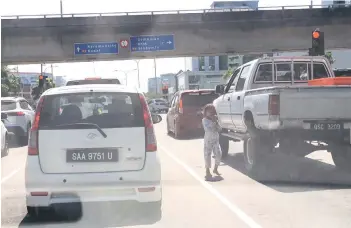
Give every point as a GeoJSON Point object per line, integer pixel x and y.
{"type": "Point", "coordinates": [224, 143]}
{"type": "Point", "coordinates": [341, 154]}
{"type": "Point", "coordinates": [256, 149]}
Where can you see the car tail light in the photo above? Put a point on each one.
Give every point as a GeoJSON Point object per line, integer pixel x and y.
{"type": "Point", "coordinates": [181, 106]}
{"type": "Point", "coordinates": [15, 114]}
{"type": "Point", "coordinates": [150, 139]}
{"type": "Point", "coordinates": [273, 105]}
{"type": "Point", "coordinates": [33, 134]}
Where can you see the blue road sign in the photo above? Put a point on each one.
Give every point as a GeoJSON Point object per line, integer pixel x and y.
{"type": "Point", "coordinates": [96, 48]}
{"type": "Point", "coordinates": [152, 43]}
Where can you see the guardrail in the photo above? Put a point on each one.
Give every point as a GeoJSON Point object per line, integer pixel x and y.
{"type": "Point", "coordinates": [173, 11]}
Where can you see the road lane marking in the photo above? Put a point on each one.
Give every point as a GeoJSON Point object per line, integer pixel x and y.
{"type": "Point", "coordinates": [10, 175]}
{"type": "Point", "coordinates": [236, 210]}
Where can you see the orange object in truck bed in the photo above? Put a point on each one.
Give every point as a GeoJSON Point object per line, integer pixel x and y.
{"type": "Point", "coordinates": [330, 81]}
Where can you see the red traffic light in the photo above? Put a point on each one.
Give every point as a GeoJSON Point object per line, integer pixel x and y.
{"type": "Point", "coordinates": [316, 34]}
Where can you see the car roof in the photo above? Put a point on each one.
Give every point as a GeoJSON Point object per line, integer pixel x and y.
{"type": "Point", "coordinates": [196, 90]}
{"type": "Point", "coordinates": [89, 87]}
{"type": "Point", "coordinates": [13, 98]}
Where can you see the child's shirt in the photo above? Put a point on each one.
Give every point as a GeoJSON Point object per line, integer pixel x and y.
{"type": "Point", "coordinates": [211, 128]}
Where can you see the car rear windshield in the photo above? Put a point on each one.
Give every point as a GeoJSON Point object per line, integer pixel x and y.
{"type": "Point", "coordinates": [198, 99]}
{"type": "Point", "coordinates": [8, 105]}
{"type": "Point", "coordinates": [107, 110]}
{"type": "Point", "coordinates": [93, 81]}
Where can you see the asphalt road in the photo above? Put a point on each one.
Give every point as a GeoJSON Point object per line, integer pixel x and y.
{"type": "Point", "coordinates": [293, 192]}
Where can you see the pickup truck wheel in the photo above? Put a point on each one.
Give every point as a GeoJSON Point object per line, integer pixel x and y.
{"type": "Point", "coordinates": [341, 154]}
{"type": "Point", "coordinates": [255, 151]}
{"type": "Point", "coordinates": [224, 143]}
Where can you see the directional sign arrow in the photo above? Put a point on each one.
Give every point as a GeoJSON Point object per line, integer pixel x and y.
{"type": "Point", "coordinates": [78, 49]}
{"type": "Point", "coordinates": [169, 42]}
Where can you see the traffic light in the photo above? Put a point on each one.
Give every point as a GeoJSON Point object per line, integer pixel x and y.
{"type": "Point", "coordinates": [41, 81]}
{"type": "Point", "coordinates": [317, 43]}
{"type": "Point", "coordinates": [165, 89]}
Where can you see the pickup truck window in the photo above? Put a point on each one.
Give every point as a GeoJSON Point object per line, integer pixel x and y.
{"type": "Point", "coordinates": [230, 86]}
{"type": "Point", "coordinates": [283, 72]}
{"type": "Point", "coordinates": [241, 81]}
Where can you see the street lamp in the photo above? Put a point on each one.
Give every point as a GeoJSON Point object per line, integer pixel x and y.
{"type": "Point", "coordinates": [125, 73]}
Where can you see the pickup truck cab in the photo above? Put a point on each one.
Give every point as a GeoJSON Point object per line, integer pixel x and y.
{"type": "Point", "coordinates": [267, 102]}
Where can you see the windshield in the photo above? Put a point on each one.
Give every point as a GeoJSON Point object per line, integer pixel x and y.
{"type": "Point", "coordinates": [198, 99]}
{"type": "Point", "coordinates": [8, 105]}
{"type": "Point", "coordinates": [107, 110]}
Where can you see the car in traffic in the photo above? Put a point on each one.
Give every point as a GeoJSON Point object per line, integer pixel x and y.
{"type": "Point", "coordinates": [19, 117]}
{"type": "Point", "coordinates": [185, 112]}
{"type": "Point", "coordinates": [158, 105]}
{"type": "Point", "coordinates": [77, 154]}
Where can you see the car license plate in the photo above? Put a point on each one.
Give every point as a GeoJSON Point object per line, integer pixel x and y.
{"type": "Point", "coordinates": [92, 155]}
{"type": "Point", "coordinates": [326, 126]}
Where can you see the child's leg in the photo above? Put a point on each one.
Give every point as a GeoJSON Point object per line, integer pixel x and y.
{"type": "Point", "coordinates": [207, 156]}
{"type": "Point", "coordinates": [218, 156]}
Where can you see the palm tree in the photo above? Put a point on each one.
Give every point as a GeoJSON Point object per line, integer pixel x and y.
{"type": "Point", "coordinates": [228, 74]}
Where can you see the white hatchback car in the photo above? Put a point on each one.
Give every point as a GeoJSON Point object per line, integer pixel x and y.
{"type": "Point", "coordinates": [86, 148]}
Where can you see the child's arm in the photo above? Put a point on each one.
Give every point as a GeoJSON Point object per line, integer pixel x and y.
{"type": "Point", "coordinates": [209, 126]}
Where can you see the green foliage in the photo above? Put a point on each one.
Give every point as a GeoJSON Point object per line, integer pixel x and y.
{"type": "Point", "coordinates": [228, 74]}
{"type": "Point", "coordinates": [10, 84]}
{"type": "Point", "coordinates": [329, 56]}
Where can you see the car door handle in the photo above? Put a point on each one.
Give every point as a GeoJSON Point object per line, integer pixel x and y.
{"type": "Point", "coordinates": [238, 98]}
{"type": "Point", "coordinates": [228, 98]}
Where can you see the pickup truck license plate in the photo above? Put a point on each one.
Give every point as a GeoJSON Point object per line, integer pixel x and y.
{"type": "Point", "coordinates": [92, 155]}
{"type": "Point", "coordinates": [326, 126]}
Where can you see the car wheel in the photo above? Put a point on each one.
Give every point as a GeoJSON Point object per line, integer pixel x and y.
{"type": "Point", "coordinates": [176, 131]}
{"type": "Point", "coordinates": [6, 149]}
{"type": "Point", "coordinates": [224, 143]}
{"type": "Point", "coordinates": [168, 130]}
{"type": "Point", "coordinates": [341, 155]}
{"type": "Point", "coordinates": [24, 139]}
{"type": "Point", "coordinates": [34, 212]}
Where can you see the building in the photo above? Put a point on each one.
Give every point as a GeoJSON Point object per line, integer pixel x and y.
{"type": "Point", "coordinates": [151, 85]}
{"type": "Point", "coordinates": [199, 79]}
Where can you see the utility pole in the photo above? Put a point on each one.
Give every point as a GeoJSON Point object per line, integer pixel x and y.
{"type": "Point", "coordinates": [137, 62]}
{"type": "Point", "coordinates": [61, 8]}
{"type": "Point", "coordinates": [155, 74]}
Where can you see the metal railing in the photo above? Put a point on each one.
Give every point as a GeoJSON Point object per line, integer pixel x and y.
{"type": "Point", "coordinates": [204, 11]}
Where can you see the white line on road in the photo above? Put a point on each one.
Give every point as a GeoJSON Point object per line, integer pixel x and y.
{"type": "Point", "coordinates": [236, 210]}
{"type": "Point", "coordinates": [10, 175]}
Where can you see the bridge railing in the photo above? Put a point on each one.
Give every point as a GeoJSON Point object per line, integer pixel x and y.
{"type": "Point", "coordinates": [204, 11]}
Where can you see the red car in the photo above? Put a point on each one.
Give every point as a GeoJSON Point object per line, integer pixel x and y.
{"type": "Point", "coordinates": [185, 112]}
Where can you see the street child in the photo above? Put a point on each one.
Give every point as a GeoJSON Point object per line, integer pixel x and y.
{"type": "Point", "coordinates": [211, 140]}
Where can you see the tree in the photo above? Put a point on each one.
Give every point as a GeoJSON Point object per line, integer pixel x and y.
{"type": "Point", "coordinates": [10, 83]}
{"type": "Point", "coordinates": [329, 56]}
{"type": "Point", "coordinates": [228, 74]}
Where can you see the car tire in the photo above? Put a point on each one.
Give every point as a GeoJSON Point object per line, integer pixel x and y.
{"type": "Point", "coordinates": [35, 212]}
{"type": "Point", "coordinates": [224, 143]}
{"type": "Point", "coordinates": [24, 139]}
{"type": "Point", "coordinates": [176, 132]}
{"type": "Point", "coordinates": [341, 154]}
{"type": "Point", "coordinates": [68, 211]}
{"type": "Point", "coordinates": [256, 150]}
{"type": "Point", "coordinates": [168, 130]}
{"type": "Point", "coordinates": [6, 149]}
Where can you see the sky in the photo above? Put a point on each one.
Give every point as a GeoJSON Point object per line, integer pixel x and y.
{"type": "Point", "coordinates": [108, 69]}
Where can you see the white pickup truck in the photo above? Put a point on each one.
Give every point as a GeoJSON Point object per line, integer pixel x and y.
{"type": "Point", "coordinates": [268, 104]}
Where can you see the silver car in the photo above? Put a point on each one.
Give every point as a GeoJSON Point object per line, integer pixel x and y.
{"type": "Point", "coordinates": [20, 116]}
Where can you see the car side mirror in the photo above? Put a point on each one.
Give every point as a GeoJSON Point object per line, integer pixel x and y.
{"type": "Point", "coordinates": [156, 118]}
{"type": "Point", "coordinates": [219, 89]}
{"type": "Point", "coordinates": [3, 116]}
